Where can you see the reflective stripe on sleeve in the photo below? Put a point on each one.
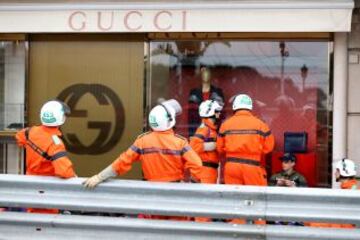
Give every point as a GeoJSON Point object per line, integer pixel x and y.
{"type": "Point", "coordinates": [58, 155]}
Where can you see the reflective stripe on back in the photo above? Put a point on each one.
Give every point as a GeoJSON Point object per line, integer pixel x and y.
{"type": "Point", "coordinates": [245, 131]}
{"type": "Point", "coordinates": [243, 161]}
{"type": "Point", "coordinates": [160, 150]}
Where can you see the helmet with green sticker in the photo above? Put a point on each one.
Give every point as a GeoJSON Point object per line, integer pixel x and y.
{"type": "Point", "coordinates": [162, 116]}
{"type": "Point", "coordinates": [53, 113]}
{"type": "Point", "coordinates": [242, 101]}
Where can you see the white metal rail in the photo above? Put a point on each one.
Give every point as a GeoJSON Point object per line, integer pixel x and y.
{"type": "Point", "coordinates": [58, 227]}
{"type": "Point", "coordinates": [181, 199]}
{"type": "Point", "coordinates": [173, 199]}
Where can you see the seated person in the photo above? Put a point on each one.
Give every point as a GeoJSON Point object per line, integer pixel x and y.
{"type": "Point", "coordinates": [288, 177]}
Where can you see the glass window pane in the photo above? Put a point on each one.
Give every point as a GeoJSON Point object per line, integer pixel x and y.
{"type": "Point", "coordinates": [12, 97]}
{"type": "Point", "coordinates": [288, 81]}
{"type": "Point", "coordinates": [12, 84]}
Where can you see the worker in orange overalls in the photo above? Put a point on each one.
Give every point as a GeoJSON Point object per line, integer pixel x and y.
{"type": "Point", "coordinates": [45, 151]}
{"type": "Point", "coordinates": [204, 140]}
{"type": "Point", "coordinates": [244, 139]}
{"type": "Point", "coordinates": [164, 155]}
{"type": "Point", "coordinates": [345, 173]}
{"type": "Point", "coordinates": [204, 143]}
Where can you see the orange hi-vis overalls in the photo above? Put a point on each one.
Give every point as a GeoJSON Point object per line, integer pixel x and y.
{"type": "Point", "coordinates": [244, 138]}
{"type": "Point", "coordinates": [210, 159]}
{"type": "Point", "coordinates": [164, 156]}
{"type": "Point", "coordinates": [45, 155]}
{"type": "Point", "coordinates": [348, 184]}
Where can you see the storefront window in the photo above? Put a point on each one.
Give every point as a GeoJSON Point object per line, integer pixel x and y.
{"type": "Point", "coordinates": [12, 95]}
{"type": "Point", "coordinates": [12, 84]}
{"type": "Point", "coordinates": [288, 81]}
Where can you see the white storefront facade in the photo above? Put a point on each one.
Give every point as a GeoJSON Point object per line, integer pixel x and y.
{"type": "Point", "coordinates": [306, 52]}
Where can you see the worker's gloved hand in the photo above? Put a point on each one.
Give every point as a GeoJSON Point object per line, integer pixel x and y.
{"type": "Point", "coordinates": [209, 146]}
{"type": "Point", "coordinates": [92, 182]}
{"type": "Point", "coordinates": [98, 178]}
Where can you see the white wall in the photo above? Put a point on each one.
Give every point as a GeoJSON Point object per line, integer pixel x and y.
{"type": "Point", "coordinates": [353, 132]}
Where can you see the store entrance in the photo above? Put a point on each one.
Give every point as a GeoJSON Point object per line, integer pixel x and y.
{"type": "Point", "coordinates": [101, 79]}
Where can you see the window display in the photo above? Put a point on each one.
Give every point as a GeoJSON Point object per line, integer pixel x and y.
{"type": "Point", "coordinates": [288, 80]}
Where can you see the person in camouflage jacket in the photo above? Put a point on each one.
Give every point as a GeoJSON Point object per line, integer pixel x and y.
{"type": "Point", "coordinates": [288, 177]}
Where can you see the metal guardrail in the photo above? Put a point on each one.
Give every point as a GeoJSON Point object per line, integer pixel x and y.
{"type": "Point", "coordinates": [58, 227]}
{"type": "Point", "coordinates": [182, 199]}
{"type": "Point", "coordinates": [175, 199]}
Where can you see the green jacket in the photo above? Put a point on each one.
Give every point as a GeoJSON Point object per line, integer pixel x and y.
{"type": "Point", "coordinates": [299, 179]}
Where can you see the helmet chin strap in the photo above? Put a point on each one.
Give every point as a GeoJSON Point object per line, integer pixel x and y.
{"type": "Point", "coordinates": [338, 179]}
{"type": "Point", "coordinates": [344, 166]}
{"type": "Point", "coordinates": [210, 106]}
{"type": "Point", "coordinates": [167, 114]}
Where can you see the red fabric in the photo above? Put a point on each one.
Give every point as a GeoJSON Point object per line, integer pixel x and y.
{"type": "Point", "coordinates": [206, 95]}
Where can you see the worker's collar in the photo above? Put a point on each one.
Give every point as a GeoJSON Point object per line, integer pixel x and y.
{"type": "Point", "coordinates": [170, 131]}
{"type": "Point", "coordinates": [243, 112]}
{"type": "Point", "coordinates": [209, 123]}
{"type": "Point", "coordinates": [349, 184]}
{"type": "Point", "coordinates": [52, 130]}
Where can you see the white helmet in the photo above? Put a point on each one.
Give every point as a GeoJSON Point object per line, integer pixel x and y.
{"type": "Point", "coordinates": [346, 167]}
{"type": "Point", "coordinates": [53, 113]}
{"type": "Point", "coordinates": [208, 108]}
{"type": "Point", "coordinates": [242, 101]}
{"type": "Point", "coordinates": [162, 116]}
